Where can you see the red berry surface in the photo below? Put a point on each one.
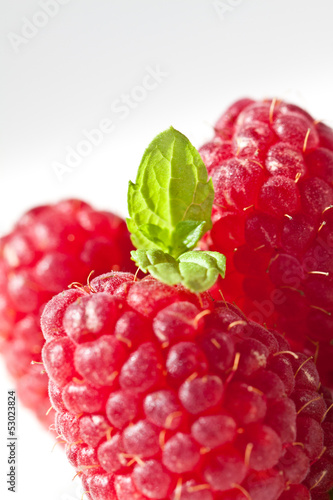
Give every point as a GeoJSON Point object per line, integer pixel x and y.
{"type": "Point", "coordinates": [165, 394]}
{"type": "Point", "coordinates": [50, 247]}
{"type": "Point", "coordinates": [272, 169]}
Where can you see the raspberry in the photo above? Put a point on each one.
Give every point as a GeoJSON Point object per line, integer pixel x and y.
{"type": "Point", "coordinates": [207, 405]}
{"type": "Point", "coordinates": [50, 247]}
{"type": "Point", "coordinates": [159, 405]}
{"type": "Point", "coordinates": [272, 169]}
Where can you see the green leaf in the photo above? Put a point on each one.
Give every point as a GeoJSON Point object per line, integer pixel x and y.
{"type": "Point", "coordinates": [196, 270]}
{"type": "Point", "coordinates": [200, 270]}
{"type": "Point", "coordinates": [172, 186]}
{"type": "Point", "coordinates": [138, 239]}
{"type": "Point", "coordinates": [186, 235]}
{"type": "Point", "coordinates": [220, 261]}
{"type": "Point", "coordinates": [141, 259]}
{"type": "Point", "coordinates": [159, 264]}
{"type": "Point", "coordinates": [170, 209]}
{"type": "Point", "coordinates": [155, 234]}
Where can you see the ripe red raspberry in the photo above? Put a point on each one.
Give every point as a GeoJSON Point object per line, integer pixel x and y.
{"type": "Point", "coordinates": [272, 169]}
{"type": "Point", "coordinates": [50, 247]}
{"type": "Point", "coordinates": [165, 394]}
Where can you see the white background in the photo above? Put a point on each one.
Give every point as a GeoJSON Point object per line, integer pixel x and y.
{"type": "Point", "coordinates": [70, 75]}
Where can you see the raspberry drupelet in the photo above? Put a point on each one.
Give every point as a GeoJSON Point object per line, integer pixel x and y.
{"type": "Point", "coordinates": [50, 247]}
{"type": "Point", "coordinates": [161, 393]}
{"type": "Point", "coordinates": [272, 170]}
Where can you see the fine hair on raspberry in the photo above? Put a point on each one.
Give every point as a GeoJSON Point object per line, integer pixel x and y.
{"type": "Point", "coordinates": [272, 168]}
{"type": "Point", "coordinates": [161, 393]}
{"type": "Point", "coordinates": [50, 247]}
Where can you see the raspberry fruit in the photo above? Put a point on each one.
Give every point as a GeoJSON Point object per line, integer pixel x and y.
{"type": "Point", "coordinates": [272, 169]}
{"type": "Point", "coordinates": [50, 247]}
{"type": "Point", "coordinates": [165, 394]}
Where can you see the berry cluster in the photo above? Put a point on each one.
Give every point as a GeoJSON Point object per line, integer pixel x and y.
{"type": "Point", "coordinates": [272, 169]}
{"type": "Point", "coordinates": [50, 247]}
{"type": "Point", "coordinates": [161, 393]}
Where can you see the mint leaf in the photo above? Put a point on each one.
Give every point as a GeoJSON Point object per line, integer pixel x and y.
{"type": "Point", "coordinates": [138, 239]}
{"type": "Point", "coordinates": [196, 270]}
{"type": "Point", "coordinates": [186, 235]}
{"type": "Point", "coordinates": [155, 235]}
{"type": "Point", "coordinates": [170, 209]}
{"type": "Point", "coordinates": [200, 270]}
{"type": "Point", "coordinates": [166, 272]}
{"type": "Point", "coordinates": [159, 264]}
{"type": "Point", "coordinates": [141, 259]}
{"type": "Point", "coordinates": [172, 186]}
{"type": "Point", "coordinates": [220, 260]}
{"type": "Point", "coordinates": [146, 258]}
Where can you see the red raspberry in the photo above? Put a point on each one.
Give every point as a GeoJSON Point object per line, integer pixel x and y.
{"type": "Point", "coordinates": [272, 169]}
{"type": "Point", "coordinates": [50, 247]}
{"type": "Point", "coordinates": [165, 394]}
